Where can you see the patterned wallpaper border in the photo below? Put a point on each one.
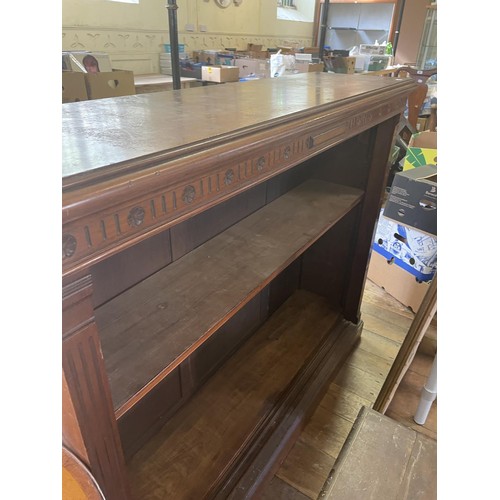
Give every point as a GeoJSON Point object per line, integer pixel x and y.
{"type": "Point", "coordinates": [138, 50]}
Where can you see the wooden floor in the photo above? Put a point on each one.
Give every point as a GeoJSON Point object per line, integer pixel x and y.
{"type": "Point", "coordinates": [386, 322]}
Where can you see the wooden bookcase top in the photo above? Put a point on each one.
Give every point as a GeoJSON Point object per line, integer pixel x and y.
{"type": "Point", "coordinates": [107, 132]}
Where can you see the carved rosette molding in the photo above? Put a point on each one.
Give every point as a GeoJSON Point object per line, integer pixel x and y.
{"type": "Point", "coordinates": [93, 235]}
{"type": "Point", "coordinates": [228, 178]}
{"type": "Point", "coordinates": [68, 246]}
{"type": "Point", "coordinates": [136, 217]}
{"type": "Point", "coordinates": [188, 195]}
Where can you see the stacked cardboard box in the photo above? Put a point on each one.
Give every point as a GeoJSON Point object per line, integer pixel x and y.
{"type": "Point", "coordinates": [89, 75]}
{"type": "Point", "coordinates": [404, 250]}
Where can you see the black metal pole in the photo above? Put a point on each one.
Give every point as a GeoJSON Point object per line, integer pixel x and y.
{"type": "Point", "coordinates": [398, 27]}
{"type": "Point", "coordinates": [174, 42]}
{"type": "Point", "coordinates": [322, 33]}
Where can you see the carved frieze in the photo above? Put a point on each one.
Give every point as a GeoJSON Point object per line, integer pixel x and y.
{"type": "Point", "coordinates": [92, 236]}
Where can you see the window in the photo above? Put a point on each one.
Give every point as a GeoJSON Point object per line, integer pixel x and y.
{"type": "Point", "coordinates": [296, 10]}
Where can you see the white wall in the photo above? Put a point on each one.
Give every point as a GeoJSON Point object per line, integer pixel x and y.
{"type": "Point", "coordinates": [133, 35]}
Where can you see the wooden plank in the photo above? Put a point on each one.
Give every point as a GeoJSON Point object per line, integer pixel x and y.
{"type": "Point", "coordinates": [343, 403]}
{"type": "Point", "coordinates": [306, 469]}
{"type": "Point", "coordinates": [359, 382]}
{"type": "Point", "coordinates": [376, 295]}
{"type": "Point", "coordinates": [379, 345]}
{"type": "Point", "coordinates": [376, 366]}
{"type": "Point", "coordinates": [217, 424]}
{"type": "Point", "coordinates": [407, 471]}
{"type": "Point", "coordinates": [391, 326]}
{"type": "Point", "coordinates": [149, 330]}
{"type": "Point", "coordinates": [326, 431]}
{"type": "Point", "coordinates": [420, 475]}
{"type": "Point", "coordinates": [279, 490]}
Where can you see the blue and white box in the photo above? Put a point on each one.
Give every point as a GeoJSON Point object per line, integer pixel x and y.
{"type": "Point", "coordinates": [412, 250]}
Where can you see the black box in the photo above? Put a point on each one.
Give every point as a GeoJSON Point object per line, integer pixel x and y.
{"type": "Point", "coordinates": [413, 199]}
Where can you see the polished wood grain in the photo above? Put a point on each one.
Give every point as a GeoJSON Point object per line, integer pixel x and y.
{"type": "Point", "coordinates": [90, 143]}
{"type": "Point", "coordinates": [138, 171]}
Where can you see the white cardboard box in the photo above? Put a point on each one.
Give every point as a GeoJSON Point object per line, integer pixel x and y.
{"type": "Point", "coordinates": [220, 74]}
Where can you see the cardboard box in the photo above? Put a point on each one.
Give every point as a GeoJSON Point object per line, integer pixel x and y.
{"type": "Point", "coordinates": [259, 68]}
{"type": "Point", "coordinates": [398, 283]}
{"type": "Point", "coordinates": [85, 61]}
{"type": "Point", "coordinates": [337, 64]}
{"type": "Point", "coordinates": [73, 87]}
{"type": "Point", "coordinates": [311, 50]}
{"type": "Point", "coordinates": [411, 250]}
{"type": "Point", "coordinates": [412, 200]}
{"type": "Point", "coordinates": [220, 74]}
{"type": "Point", "coordinates": [422, 150]}
{"type": "Point", "coordinates": [286, 49]}
{"type": "Point", "coordinates": [114, 83]}
{"type": "Point", "coordinates": [307, 67]}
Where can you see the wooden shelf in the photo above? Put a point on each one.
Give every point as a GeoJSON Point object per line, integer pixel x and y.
{"type": "Point", "coordinates": [147, 331]}
{"type": "Point", "coordinates": [237, 404]}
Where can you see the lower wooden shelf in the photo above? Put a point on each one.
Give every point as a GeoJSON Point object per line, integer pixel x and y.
{"type": "Point", "coordinates": [236, 426]}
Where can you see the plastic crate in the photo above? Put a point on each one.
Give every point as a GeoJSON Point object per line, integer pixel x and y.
{"type": "Point", "coordinates": [167, 47]}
